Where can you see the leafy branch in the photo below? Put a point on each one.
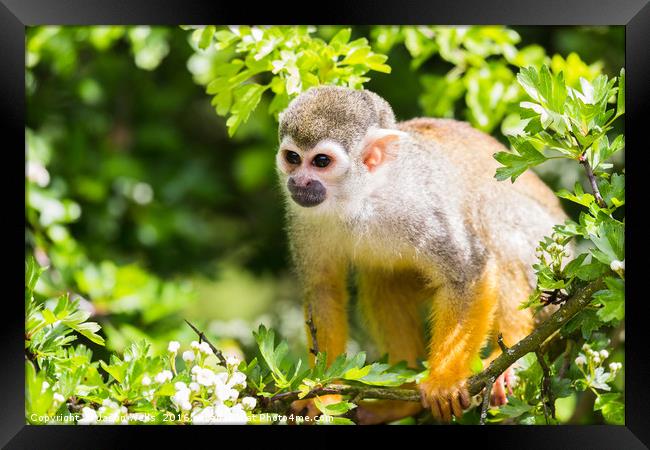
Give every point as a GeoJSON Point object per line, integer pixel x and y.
{"type": "Point", "coordinates": [286, 60]}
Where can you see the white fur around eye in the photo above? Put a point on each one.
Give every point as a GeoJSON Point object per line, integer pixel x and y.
{"type": "Point", "coordinates": [337, 152]}
{"type": "Point", "coordinates": [287, 144]}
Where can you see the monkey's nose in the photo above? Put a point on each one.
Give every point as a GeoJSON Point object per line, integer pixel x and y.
{"type": "Point", "coordinates": [300, 183]}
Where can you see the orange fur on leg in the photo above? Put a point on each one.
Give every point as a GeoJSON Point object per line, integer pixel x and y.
{"type": "Point", "coordinates": [390, 301]}
{"type": "Point", "coordinates": [460, 328]}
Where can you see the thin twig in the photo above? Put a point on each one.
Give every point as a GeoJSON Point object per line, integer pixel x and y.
{"type": "Point", "coordinates": [592, 180]}
{"type": "Point", "coordinates": [312, 330]}
{"type": "Point", "coordinates": [215, 350]}
{"type": "Point", "coordinates": [502, 345]}
{"type": "Point", "coordinates": [547, 396]}
{"type": "Point", "coordinates": [486, 400]}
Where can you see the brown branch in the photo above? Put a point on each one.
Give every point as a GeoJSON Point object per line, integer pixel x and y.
{"type": "Point", "coordinates": [359, 392]}
{"type": "Point", "coordinates": [592, 181]}
{"type": "Point", "coordinates": [530, 343]}
{"type": "Point", "coordinates": [476, 383]}
{"type": "Point", "coordinates": [215, 350]}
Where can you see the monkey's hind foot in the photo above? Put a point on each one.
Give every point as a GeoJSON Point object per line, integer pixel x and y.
{"type": "Point", "coordinates": [503, 383]}
{"type": "Point", "coordinates": [444, 399]}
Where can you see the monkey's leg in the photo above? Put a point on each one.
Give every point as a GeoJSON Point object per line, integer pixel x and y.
{"type": "Point", "coordinates": [513, 324]}
{"type": "Point", "coordinates": [462, 320]}
{"type": "Point", "coordinates": [390, 303]}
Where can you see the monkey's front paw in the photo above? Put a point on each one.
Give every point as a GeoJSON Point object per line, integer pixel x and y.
{"type": "Point", "coordinates": [444, 399]}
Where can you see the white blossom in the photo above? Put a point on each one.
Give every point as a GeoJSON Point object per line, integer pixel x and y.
{"type": "Point", "coordinates": [188, 356]}
{"type": "Point", "coordinates": [615, 366]}
{"type": "Point", "coordinates": [195, 345]}
{"type": "Point", "coordinates": [222, 392]}
{"type": "Point", "coordinates": [604, 354]}
{"type": "Point", "coordinates": [44, 386]}
{"type": "Point", "coordinates": [204, 347]}
{"type": "Point", "coordinates": [163, 376]}
{"type": "Point", "coordinates": [617, 265]}
{"type": "Point", "coordinates": [232, 360]}
{"type": "Point", "coordinates": [146, 381]}
{"type": "Point", "coordinates": [182, 398]}
{"type": "Point", "coordinates": [581, 360]}
{"type": "Point", "coordinates": [205, 377]}
{"type": "Point", "coordinates": [37, 173]}
{"type": "Point", "coordinates": [173, 346]}
{"type": "Point", "coordinates": [221, 378]}
{"type": "Point", "coordinates": [237, 379]}
{"type": "Point", "coordinates": [194, 386]}
{"type": "Point", "coordinates": [248, 403]}
{"type": "Point", "coordinates": [88, 416]}
{"type": "Point", "coordinates": [58, 397]}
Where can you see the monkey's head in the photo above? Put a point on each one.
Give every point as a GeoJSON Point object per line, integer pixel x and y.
{"type": "Point", "coordinates": [331, 139]}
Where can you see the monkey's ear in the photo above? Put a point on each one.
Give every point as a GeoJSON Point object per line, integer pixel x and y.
{"type": "Point", "coordinates": [376, 146]}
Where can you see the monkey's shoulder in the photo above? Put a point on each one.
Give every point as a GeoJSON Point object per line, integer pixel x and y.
{"type": "Point", "coordinates": [451, 134]}
{"type": "Point", "coordinates": [471, 151]}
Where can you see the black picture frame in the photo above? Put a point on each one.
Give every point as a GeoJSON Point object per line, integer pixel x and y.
{"type": "Point", "coordinates": [16, 14]}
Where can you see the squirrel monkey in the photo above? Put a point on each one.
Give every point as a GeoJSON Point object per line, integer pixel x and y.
{"type": "Point", "coordinates": [415, 209]}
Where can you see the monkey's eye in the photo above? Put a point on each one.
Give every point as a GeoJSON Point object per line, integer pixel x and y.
{"type": "Point", "coordinates": [292, 157]}
{"type": "Point", "coordinates": [321, 160]}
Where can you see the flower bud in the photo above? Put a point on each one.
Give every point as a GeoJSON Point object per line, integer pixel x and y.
{"type": "Point", "coordinates": [188, 356]}
{"type": "Point", "coordinates": [173, 346]}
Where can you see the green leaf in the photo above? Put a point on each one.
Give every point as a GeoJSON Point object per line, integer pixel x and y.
{"type": "Point", "coordinates": [613, 191]}
{"type": "Point", "coordinates": [48, 316]}
{"type": "Point", "coordinates": [580, 197]}
{"type": "Point", "coordinates": [32, 273]}
{"type": "Point", "coordinates": [524, 157]}
{"type": "Point", "coordinates": [612, 408]}
{"type": "Point", "coordinates": [612, 299]}
{"type": "Point", "coordinates": [620, 101]}
{"type": "Point", "coordinates": [514, 408]}
{"type": "Point", "coordinates": [206, 36]}
{"type": "Point", "coordinates": [609, 241]}
{"type": "Point", "coordinates": [335, 409]}
{"type": "Point", "coordinates": [341, 38]}
{"type": "Point", "coordinates": [587, 321]}
{"type": "Point", "coordinates": [116, 371]}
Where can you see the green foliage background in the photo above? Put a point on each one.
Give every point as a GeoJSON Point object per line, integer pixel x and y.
{"type": "Point", "coordinates": [151, 190]}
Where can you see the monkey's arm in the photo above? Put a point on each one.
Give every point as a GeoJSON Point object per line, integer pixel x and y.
{"type": "Point", "coordinates": [322, 274]}
{"type": "Point", "coordinates": [325, 304]}
{"type": "Point", "coordinates": [462, 320]}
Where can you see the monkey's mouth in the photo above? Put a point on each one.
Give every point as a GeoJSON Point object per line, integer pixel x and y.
{"type": "Point", "coordinates": [312, 195]}
{"type": "Point", "coordinates": [308, 199]}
